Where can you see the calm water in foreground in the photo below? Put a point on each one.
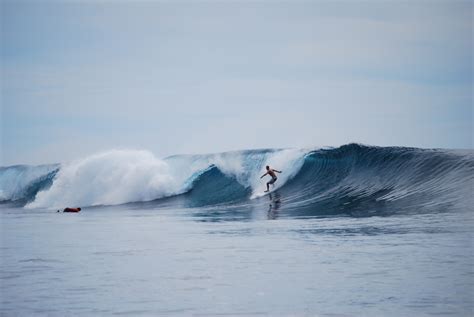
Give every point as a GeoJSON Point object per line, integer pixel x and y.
{"type": "Point", "coordinates": [115, 260]}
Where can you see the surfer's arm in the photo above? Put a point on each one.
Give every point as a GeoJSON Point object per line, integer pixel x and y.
{"type": "Point", "coordinates": [277, 171]}
{"type": "Point", "coordinates": [263, 175]}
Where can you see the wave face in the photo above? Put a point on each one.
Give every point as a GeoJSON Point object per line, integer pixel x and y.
{"type": "Point", "coordinates": [22, 182]}
{"type": "Point", "coordinates": [363, 180]}
{"type": "Point", "coordinates": [214, 187]}
{"type": "Point", "coordinates": [353, 179]}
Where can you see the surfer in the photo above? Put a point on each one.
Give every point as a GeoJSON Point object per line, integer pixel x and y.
{"type": "Point", "coordinates": [271, 172]}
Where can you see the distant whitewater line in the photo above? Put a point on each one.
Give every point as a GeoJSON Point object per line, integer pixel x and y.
{"type": "Point", "coordinates": [356, 176]}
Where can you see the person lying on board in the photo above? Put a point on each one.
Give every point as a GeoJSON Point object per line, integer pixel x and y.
{"type": "Point", "coordinates": [68, 209]}
{"type": "Point", "coordinates": [271, 172]}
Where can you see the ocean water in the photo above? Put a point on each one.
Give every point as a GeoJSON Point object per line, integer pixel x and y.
{"type": "Point", "coordinates": [348, 231]}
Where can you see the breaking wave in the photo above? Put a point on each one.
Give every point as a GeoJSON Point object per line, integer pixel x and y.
{"type": "Point", "coordinates": [352, 179]}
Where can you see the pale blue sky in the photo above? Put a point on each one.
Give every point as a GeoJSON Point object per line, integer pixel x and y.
{"type": "Point", "coordinates": [182, 77]}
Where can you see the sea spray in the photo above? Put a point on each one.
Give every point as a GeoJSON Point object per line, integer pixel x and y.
{"type": "Point", "coordinates": [107, 178]}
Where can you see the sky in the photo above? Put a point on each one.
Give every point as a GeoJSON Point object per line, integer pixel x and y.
{"type": "Point", "coordinates": [171, 77]}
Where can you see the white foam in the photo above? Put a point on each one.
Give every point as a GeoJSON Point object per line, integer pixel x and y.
{"type": "Point", "coordinates": [113, 177]}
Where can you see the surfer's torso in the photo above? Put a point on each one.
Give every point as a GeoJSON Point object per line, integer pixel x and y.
{"type": "Point", "coordinates": [272, 174]}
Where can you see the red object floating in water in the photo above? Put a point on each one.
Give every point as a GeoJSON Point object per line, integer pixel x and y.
{"type": "Point", "coordinates": [72, 209]}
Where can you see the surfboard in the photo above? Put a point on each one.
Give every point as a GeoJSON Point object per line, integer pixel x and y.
{"type": "Point", "coordinates": [262, 193]}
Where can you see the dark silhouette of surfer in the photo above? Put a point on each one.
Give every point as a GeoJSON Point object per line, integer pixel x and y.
{"type": "Point", "coordinates": [271, 172]}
